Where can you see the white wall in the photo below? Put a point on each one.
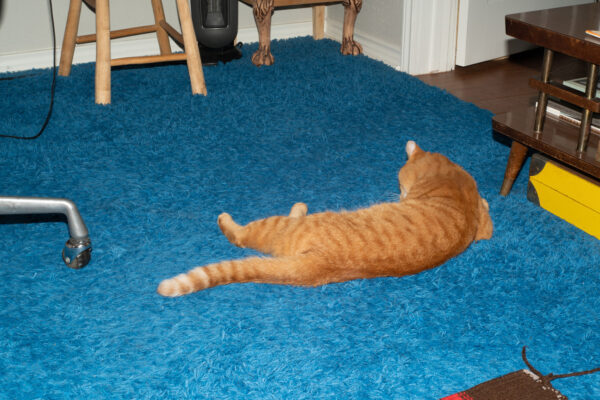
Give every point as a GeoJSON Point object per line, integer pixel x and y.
{"type": "Point", "coordinates": [481, 27]}
{"type": "Point", "coordinates": [410, 35]}
{"type": "Point", "coordinates": [26, 41]}
{"type": "Point", "coordinates": [414, 36]}
{"type": "Point", "coordinates": [378, 28]}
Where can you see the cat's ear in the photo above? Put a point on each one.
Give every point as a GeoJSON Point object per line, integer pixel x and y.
{"type": "Point", "coordinates": [412, 149]}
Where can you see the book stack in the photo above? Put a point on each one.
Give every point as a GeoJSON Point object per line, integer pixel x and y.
{"type": "Point", "coordinates": [566, 112]}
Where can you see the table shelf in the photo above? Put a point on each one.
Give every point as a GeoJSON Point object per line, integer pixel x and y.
{"type": "Point", "coordinates": [558, 139]}
{"type": "Point", "coordinates": [566, 93]}
{"type": "Point", "coordinates": [560, 30]}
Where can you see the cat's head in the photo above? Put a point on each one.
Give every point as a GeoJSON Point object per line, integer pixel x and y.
{"type": "Point", "coordinates": [435, 174]}
{"type": "Point", "coordinates": [428, 169]}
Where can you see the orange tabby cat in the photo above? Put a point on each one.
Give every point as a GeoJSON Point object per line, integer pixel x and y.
{"type": "Point", "coordinates": [439, 214]}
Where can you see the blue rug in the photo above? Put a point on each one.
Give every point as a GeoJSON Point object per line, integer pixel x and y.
{"type": "Point", "coordinates": [151, 172]}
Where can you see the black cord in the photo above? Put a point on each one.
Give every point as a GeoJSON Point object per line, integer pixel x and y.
{"type": "Point", "coordinates": [51, 90]}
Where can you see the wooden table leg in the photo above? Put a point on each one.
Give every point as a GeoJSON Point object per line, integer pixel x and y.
{"type": "Point", "coordinates": [102, 52]}
{"type": "Point", "coordinates": [586, 115]}
{"type": "Point", "coordinates": [68, 45]}
{"type": "Point", "coordinates": [318, 22]}
{"type": "Point", "coordinates": [351, 10]}
{"type": "Point", "coordinates": [262, 10]}
{"type": "Point", "coordinates": [192, 52]}
{"type": "Point", "coordinates": [517, 155]}
{"type": "Point", "coordinates": [540, 112]}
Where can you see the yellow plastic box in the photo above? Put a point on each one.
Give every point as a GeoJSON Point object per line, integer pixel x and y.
{"type": "Point", "coordinates": [565, 193]}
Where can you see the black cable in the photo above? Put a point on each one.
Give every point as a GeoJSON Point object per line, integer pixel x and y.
{"type": "Point", "coordinates": [51, 90]}
{"type": "Point", "coordinates": [10, 78]}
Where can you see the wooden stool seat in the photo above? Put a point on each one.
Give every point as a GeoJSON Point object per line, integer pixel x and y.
{"type": "Point", "coordinates": [263, 9]}
{"type": "Point", "coordinates": [103, 36]}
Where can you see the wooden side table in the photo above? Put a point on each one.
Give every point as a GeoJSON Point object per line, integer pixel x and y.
{"type": "Point", "coordinates": [263, 9]}
{"type": "Point", "coordinates": [556, 30]}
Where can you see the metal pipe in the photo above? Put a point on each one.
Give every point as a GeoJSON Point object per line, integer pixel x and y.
{"type": "Point", "coordinates": [77, 251]}
{"type": "Point", "coordinates": [10, 205]}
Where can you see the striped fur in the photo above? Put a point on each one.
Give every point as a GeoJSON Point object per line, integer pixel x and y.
{"type": "Point", "coordinates": [440, 213]}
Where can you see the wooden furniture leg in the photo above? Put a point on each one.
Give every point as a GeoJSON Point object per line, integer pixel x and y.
{"type": "Point", "coordinates": [318, 17]}
{"type": "Point", "coordinates": [192, 52]}
{"type": "Point", "coordinates": [351, 10]}
{"type": "Point", "coordinates": [161, 33]}
{"type": "Point", "coordinates": [68, 45]}
{"type": "Point", "coordinates": [262, 10]}
{"type": "Point", "coordinates": [103, 36]}
{"type": "Point", "coordinates": [102, 52]}
{"type": "Point", "coordinates": [517, 155]}
{"type": "Point", "coordinates": [586, 116]}
{"type": "Point", "coordinates": [540, 112]}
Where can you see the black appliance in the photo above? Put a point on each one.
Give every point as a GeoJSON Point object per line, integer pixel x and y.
{"type": "Point", "coordinates": [216, 25]}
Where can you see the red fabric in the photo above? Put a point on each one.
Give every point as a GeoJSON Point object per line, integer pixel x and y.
{"type": "Point", "coordinates": [458, 396]}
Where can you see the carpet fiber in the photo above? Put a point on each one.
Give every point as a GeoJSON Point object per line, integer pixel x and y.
{"type": "Point", "coordinates": [150, 174]}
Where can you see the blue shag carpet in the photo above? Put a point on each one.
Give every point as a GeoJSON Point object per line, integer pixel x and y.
{"type": "Point", "coordinates": [151, 172]}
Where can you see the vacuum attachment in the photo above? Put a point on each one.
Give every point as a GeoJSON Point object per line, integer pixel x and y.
{"type": "Point", "coordinates": [78, 249]}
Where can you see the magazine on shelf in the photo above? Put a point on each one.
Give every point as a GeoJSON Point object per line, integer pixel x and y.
{"type": "Point", "coordinates": [579, 84]}
{"type": "Point", "coordinates": [571, 115]}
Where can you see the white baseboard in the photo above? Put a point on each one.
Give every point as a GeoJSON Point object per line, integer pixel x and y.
{"type": "Point", "coordinates": [283, 31]}
{"type": "Point", "coordinates": [372, 47]}
{"type": "Point", "coordinates": [139, 46]}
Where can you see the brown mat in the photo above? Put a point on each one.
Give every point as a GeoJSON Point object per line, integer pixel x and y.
{"type": "Point", "coordinates": [519, 385]}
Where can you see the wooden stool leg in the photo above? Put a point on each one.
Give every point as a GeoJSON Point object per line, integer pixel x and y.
{"type": "Point", "coordinates": [192, 52]}
{"type": "Point", "coordinates": [161, 33]}
{"type": "Point", "coordinates": [68, 45]}
{"type": "Point", "coordinates": [262, 10]}
{"type": "Point", "coordinates": [351, 10]}
{"type": "Point", "coordinates": [102, 52]}
{"type": "Point", "coordinates": [318, 22]}
{"type": "Point", "coordinates": [517, 155]}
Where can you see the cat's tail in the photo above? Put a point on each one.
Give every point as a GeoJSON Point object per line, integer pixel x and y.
{"type": "Point", "coordinates": [294, 270]}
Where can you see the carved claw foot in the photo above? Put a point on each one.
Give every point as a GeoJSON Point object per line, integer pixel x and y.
{"type": "Point", "coordinates": [351, 10]}
{"type": "Point", "coordinates": [351, 47]}
{"type": "Point", "coordinates": [263, 56]}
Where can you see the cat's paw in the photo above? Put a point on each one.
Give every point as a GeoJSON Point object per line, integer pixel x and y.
{"type": "Point", "coordinates": [224, 218]}
{"type": "Point", "coordinates": [298, 210]}
{"type": "Point", "coordinates": [229, 228]}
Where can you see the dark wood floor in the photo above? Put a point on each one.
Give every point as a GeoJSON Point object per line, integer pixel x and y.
{"type": "Point", "coordinates": [502, 85]}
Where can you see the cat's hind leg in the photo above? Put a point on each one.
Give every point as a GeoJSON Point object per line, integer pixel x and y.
{"type": "Point", "coordinates": [258, 235]}
{"type": "Point", "coordinates": [269, 235]}
{"type": "Point", "coordinates": [236, 233]}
